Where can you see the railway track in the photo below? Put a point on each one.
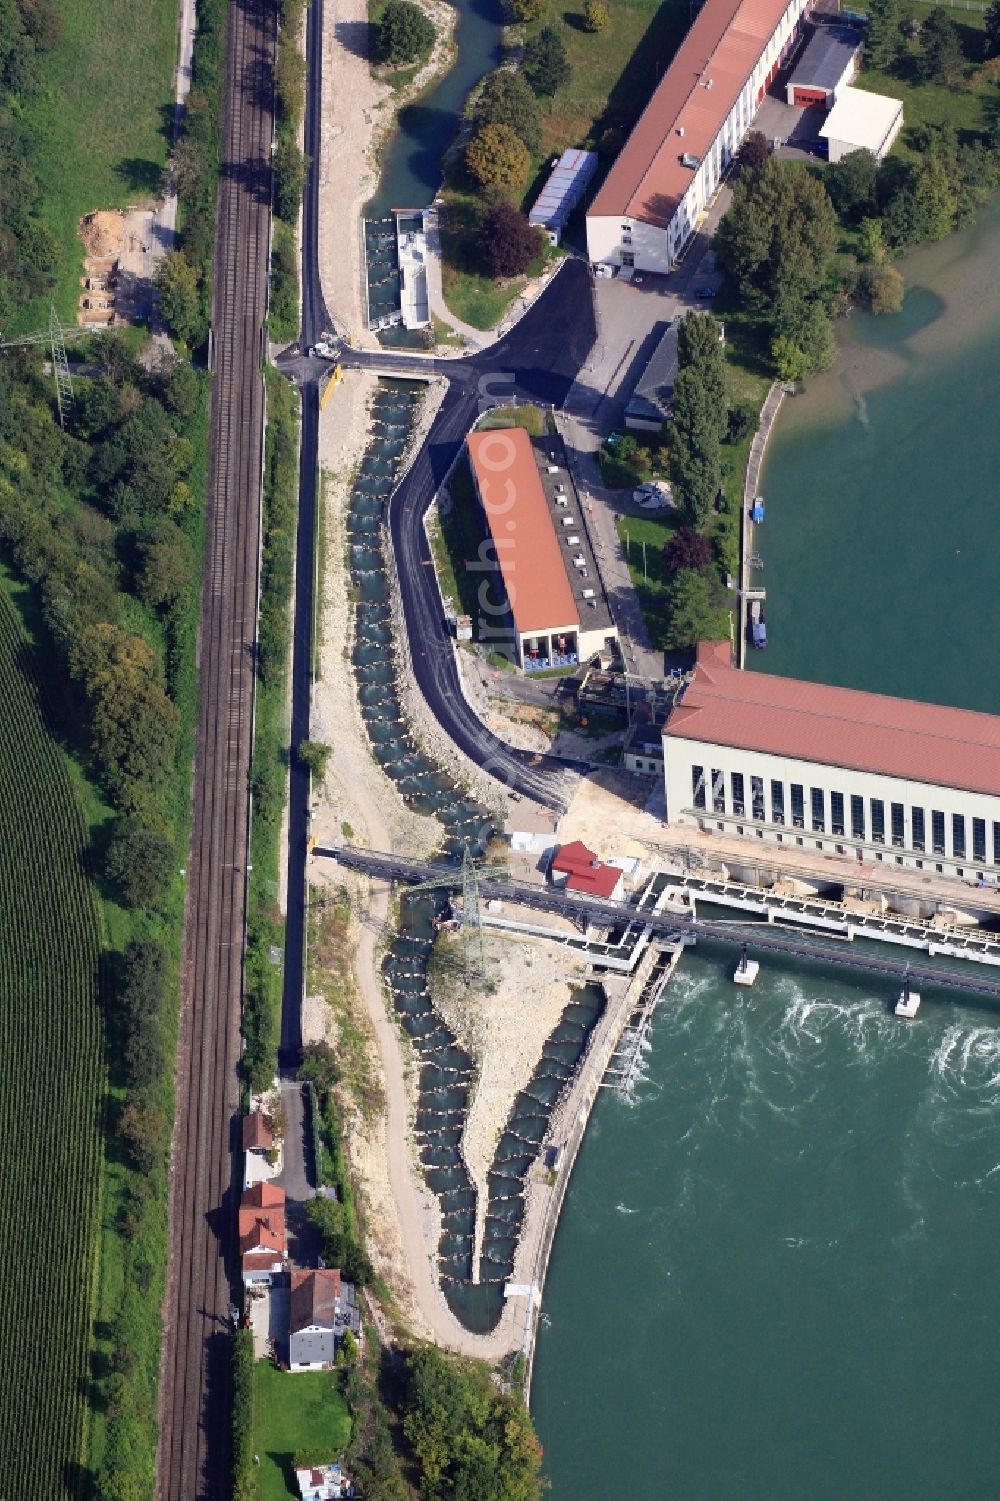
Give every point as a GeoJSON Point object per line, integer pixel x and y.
{"type": "Point", "coordinates": [193, 1457]}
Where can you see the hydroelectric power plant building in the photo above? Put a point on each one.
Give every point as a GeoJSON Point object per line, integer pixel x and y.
{"type": "Point", "coordinates": [551, 610]}
{"type": "Point", "coordinates": [834, 769]}
{"type": "Point", "coordinates": [674, 161]}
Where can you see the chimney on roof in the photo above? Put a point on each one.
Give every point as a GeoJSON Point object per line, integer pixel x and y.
{"type": "Point", "coordinates": [680, 130]}
{"type": "Point", "coordinates": [710, 82]}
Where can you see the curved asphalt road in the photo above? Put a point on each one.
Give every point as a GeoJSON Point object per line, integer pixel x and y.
{"type": "Point", "coordinates": [537, 361]}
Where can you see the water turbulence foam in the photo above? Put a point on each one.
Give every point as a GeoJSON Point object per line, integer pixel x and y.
{"type": "Point", "coordinates": [803, 1299]}
{"type": "Point", "coordinates": [446, 1071]}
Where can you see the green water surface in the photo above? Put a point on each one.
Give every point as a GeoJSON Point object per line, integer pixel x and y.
{"type": "Point", "coordinates": [776, 1275]}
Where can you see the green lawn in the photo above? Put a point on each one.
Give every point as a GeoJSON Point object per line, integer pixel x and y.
{"type": "Point", "coordinates": [456, 540]}
{"type": "Point", "coordinates": [472, 296]}
{"type": "Point", "coordinates": [297, 1412]}
{"type": "Point", "coordinates": [614, 71]}
{"type": "Point", "coordinates": [98, 125]}
{"type": "Point", "coordinates": [531, 418]}
{"type": "Point", "coordinates": [968, 108]}
{"type": "Point", "coordinates": [648, 573]}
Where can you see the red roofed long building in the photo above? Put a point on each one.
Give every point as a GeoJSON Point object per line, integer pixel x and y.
{"type": "Point", "coordinates": [673, 162]}
{"type": "Point", "coordinates": [553, 611]}
{"type": "Point", "coordinates": [834, 769]}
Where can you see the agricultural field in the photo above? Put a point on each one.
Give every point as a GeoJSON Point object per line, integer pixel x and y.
{"type": "Point", "coordinates": [51, 1090]}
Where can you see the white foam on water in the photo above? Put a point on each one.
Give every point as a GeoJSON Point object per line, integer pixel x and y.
{"type": "Point", "coordinates": [624, 1209]}
{"type": "Point", "coordinates": [967, 1061]}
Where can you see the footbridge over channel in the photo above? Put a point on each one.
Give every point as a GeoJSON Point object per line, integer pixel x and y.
{"type": "Point", "coordinates": [674, 927]}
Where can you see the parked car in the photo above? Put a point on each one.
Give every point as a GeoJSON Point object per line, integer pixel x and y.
{"type": "Point", "coordinates": [706, 291]}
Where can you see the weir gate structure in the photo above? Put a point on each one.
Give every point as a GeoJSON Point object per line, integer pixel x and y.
{"type": "Point", "coordinates": [673, 927]}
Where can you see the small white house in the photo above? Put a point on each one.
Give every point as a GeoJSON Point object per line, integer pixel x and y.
{"type": "Point", "coordinates": [860, 121]}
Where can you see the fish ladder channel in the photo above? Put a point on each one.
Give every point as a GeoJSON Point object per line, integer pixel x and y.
{"type": "Point", "coordinates": [447, 1071]}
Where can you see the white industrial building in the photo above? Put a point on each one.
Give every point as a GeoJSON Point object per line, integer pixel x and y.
{"type": "Point", "coordinates": [673, 162]}
{"type": "Point", "coordinates": [860, 121]}
{"type": "Point", "coordinates": [832, 769]}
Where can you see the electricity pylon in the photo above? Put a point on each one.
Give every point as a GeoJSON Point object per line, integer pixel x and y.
{"type": "Point", "coordinates": [472, 914]}
{"type": "Point", "coordinates": [55, 337]}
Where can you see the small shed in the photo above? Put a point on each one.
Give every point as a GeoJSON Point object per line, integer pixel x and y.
{"type": "Point", "coordinates": [566, 185]}
{"type": "Point", "coordinates": [828, 64]}
{"type": "Point", "coordinates": [649, 405]}
{"type": "Point", "coordinates": [860, 121]}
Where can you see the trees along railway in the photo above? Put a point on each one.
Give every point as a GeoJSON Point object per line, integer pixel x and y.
{"type": "Point", "coordinates": [194, 1392]}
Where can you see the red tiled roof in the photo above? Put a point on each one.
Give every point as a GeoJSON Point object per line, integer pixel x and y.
{"type": "Point", "coordinates": [573, 856]}
{"type": "Point", "coordinates": [527, 547]}
{"type": "Point", "coordinates": [600, 880]}
{"type": "Point", "coordinates": [257, 1133]}
{"type": "Point", "coordinates": [262, 1196]}
{"type": "Point", "coordinates": [724, 44]}
{"type": "Point", "coordinates": [896, 737]}
{"type": "Point", "coordinates": [585, 871]}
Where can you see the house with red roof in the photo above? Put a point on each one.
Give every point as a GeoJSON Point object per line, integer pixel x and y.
{"type": "Point", "coordinates": [576, 868]}
{"type": "Point", "coordinates": [262, 1237]}
{"type": "Point", "coordinates": [876, 779]}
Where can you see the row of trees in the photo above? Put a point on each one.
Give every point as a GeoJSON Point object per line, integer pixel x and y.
{"type": "Point", "coordinates": [28, 251]}
{"type": "Point", "coordinates": [506, 119]}
{"type": "Point", "coordinates": [700, 425]}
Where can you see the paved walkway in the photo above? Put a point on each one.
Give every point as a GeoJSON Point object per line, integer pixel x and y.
{"type": "Point", "coordinates": [476, 338]}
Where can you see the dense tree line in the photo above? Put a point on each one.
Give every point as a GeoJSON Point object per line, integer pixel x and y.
{"type": "Point", "coordinates": [506, 119]}
{"type": "Point", "coordinates": [28, 250]}
{"type": "Point", "coordinates": [469, 1438]}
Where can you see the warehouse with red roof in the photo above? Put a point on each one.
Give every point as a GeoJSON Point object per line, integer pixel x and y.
{"type": "Point", "coordinates": [545, 604]}
{"type": "Point", "coordinates": [834, 769]}
{"type": "Point", "coordinates": [676, 157]}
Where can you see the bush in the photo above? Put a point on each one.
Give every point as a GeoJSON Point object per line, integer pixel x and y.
{"type": "Point", "coordinates": [507, 242]}
{"type": "Point", "coordinates": [883, 286]}
{"type": "Point", "coordinates": [497, 158]}
{"type": "Point", "coordinates": [545, 65]}
{"type": "Point", "coordinates": [176, 282]}
{"type": "Point", "coordinates": [315, 755]}
{"type": "Point", "coordinates": [741, 422]}
{"type": "Point", "coordinates": [289, 179]}
{"type": "Point", "coordinates": [526, 11]}
{"type": "Point", "coordinates": [404, 34]}
{"type": "Point", "coordinates": [139, 864]}
{"type": "Point", "coordinates": [595, 17]}
{"type": "Point", "coordinates": [505, 99]}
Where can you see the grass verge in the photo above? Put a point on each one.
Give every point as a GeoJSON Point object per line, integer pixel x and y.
{"type": "Point", "coordinates": [265, 924]}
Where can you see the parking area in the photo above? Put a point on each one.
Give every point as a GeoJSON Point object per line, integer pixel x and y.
{"type": "Point", "coordinates": [793, 132]}
{"type": "Point", "coordinates": [269, 1313]}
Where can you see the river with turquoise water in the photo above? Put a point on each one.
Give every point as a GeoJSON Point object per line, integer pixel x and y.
{"type": "Point", "coordinates": [775, 1275]}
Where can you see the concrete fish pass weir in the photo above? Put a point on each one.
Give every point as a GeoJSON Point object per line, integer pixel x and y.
{"type": "Point", "coordinates": [473, 1286]}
